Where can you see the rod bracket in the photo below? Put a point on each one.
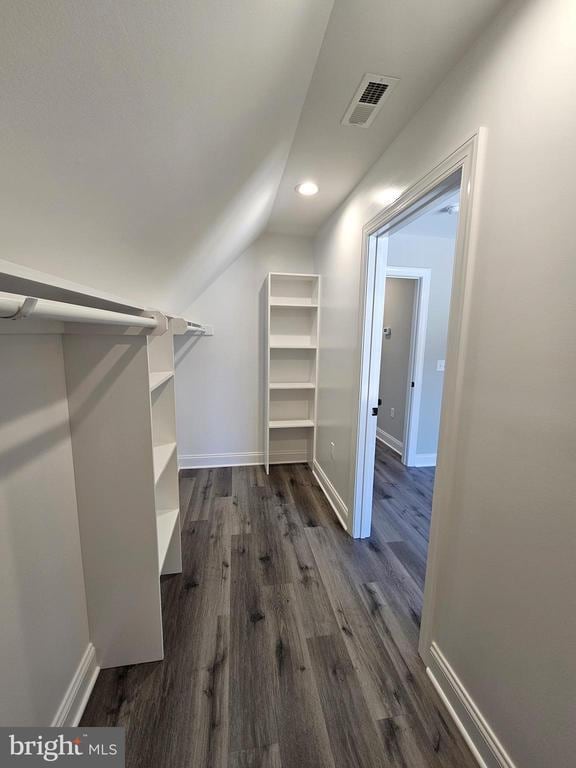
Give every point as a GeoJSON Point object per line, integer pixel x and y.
{"type": "Point", "coordinates": [26, 309]}
{"type": "Point", "coordinates": [161, 323]}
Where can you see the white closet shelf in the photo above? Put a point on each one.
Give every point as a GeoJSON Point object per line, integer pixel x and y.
{"type": "Point", "coordinates": [292, 345]}
{"type": "Point", "coordinates": [157, 379]}
{"type": "Point", "coordinates": [166, 521]}
{"type": "Point", "coordinates": [292, 302]}
{"type": "Point", "coordinates": [290, 423]}
{"type": "Point", "coordinates": [162, 455]}
{"type": "Point", "coordinates": [292, 385]}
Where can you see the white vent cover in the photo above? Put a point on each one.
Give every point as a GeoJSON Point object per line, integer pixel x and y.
{"type": "Point", "coordinates": [368, 100]}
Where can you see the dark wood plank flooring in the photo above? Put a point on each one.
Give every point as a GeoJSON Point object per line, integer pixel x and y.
{"type": "Point", "coordinates": [288, 644]}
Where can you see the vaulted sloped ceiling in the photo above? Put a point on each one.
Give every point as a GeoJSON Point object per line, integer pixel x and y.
{"type": "Point", "coordinates": [417, 41]}
{"type": "Point", "coordinates": [142, 143]}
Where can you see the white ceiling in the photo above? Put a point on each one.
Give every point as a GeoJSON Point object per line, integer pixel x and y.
{"type": "Point", "coordinates": [142, 143]}
{"type": "Point", "coordinates": [417, 41]}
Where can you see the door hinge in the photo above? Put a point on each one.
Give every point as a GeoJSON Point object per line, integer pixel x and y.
{"type": "Point", "coordinates": [412, 384]}
{"type": "Point", "coordinates": [374, 411]}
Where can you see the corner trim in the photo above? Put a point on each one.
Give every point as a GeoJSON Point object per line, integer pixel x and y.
{"type": "Point", "coordinates": [392, 442]}
{"type": "Point", "coordinates": [78, 692]}
{"type": "Point", "coordinates": [478, 734]}
{"type": "Point", "coordinates": [240, 459]}
{"type": "Point", "coordinates": [331, 494]}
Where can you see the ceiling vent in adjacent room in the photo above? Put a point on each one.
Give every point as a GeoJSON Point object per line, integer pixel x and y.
{"type": "Point", "coordinates": [368, 100]}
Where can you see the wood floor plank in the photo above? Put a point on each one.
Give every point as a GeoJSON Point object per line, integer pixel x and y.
{"type": "Point", "coordinates": [301, 488]}
{"type": "Point", "coordinates": [401, 744]}
{"type": "Point", "coordinates": [241, 518]}
{"type": "Point", "coordinates": [383, 696]}
{"type": "Point", "coordinates": [392, 510]}
{"type": "Point", "coordinates": [253, 679]}
{"type": "Point", "coordinates": [442, 740]}
{"type": "Point", "coordinates": [412, 560]}
{"type": "Point", "coordinates": [186, 488]}
{"type": "Point", "coordinates": [273, 555]}
{"type": "Point", "coordinates": [353, 734]}
{"type": "Point", "coordinates": [302, 729]}
{"type": "Point", "coordinates": [201, 498]}
{"type": "Point", "coordinates": [266, 757]}
{"type": "Point", "coordinates": [196, 718]}
{"type": "Point", "coordinates": [313, 604]}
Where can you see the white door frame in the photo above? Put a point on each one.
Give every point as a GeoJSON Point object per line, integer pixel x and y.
{"type": "Point", "coordinates": [422, 277]}
{"type": "Point", "coordinates": [468, 159]}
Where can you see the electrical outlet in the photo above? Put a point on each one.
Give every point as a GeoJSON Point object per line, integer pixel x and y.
{"type": "Point", "coordinates": [392, 413]}
{"type": "Point", "coordinates": [332, 448]}
{"type": "Point", "coordinates": [440, 365]}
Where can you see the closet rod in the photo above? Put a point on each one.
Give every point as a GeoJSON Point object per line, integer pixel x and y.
{"type": "Point", "coordinates": [198, 329]}
{"type": "Point", "coordinates": [15, 307]}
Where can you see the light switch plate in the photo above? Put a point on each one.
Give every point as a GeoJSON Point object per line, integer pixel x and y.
{"type": "Point", "coordinates": [440, 365]}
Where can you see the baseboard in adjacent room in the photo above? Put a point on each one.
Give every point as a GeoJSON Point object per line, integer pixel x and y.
{"type": "Point", "coordinates": [76, 697]}
{"type": "Point", "coordinates": [391, 442]}
{"type": "Point", "coordinates": [241, 459]}
{"type": "Point", "coordinates": [425, 460]}
{"type": "Point", "coordinates": [334, 498]}
{"type": "Point", "coordinates": [478, 734]}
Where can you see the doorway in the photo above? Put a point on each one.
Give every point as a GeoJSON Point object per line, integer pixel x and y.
{"type": "Point", "coordinates": [417, 291]}
{"type": "Point", "coordinates": [418, 285]}
{"type": "Point", "coordinates": [459, 171]}
{"type": "Point", "coordinates": [413, 274]}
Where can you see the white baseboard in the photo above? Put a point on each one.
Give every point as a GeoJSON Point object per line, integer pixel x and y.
{"type": "Point", "coordinates": [244, 459]}
{"type": "Point", "coordinates": [200, 460]}
{"type": "Point", "coordinates": [391, 442]}
{"type": "Point", "coordinates": [78, 692]}
{"type": "Point", "coordinates": [424, 460]}
{"type": "Point", "coordinates": [331, 494]}
{"type": "Point", "coordinates": [479, 736]}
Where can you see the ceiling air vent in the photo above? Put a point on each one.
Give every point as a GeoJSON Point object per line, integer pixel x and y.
{"type": "Point", "coordinates": [368, 100]}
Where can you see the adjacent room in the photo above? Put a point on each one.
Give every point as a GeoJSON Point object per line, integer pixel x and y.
{"type": "Point", "coordinates": [287, 404]}
{"type": "Point", "coordinates": [414, 315]}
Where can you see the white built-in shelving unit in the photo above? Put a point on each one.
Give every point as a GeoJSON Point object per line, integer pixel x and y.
{"type": "Point", "coordinates": [122, 430]}
{"type": "Point", "coordinates": [292, 318]}
{"type": "Point", "coordinates": [161, 376]}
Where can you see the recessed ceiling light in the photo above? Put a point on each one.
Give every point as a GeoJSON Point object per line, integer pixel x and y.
{"type": "Point", "coordinates": [307, 188]}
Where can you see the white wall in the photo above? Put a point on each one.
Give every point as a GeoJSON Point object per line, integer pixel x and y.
{"type": "Point", "coordinates": [507, 569]}
{"type": "Point", "coordinates": [220, 379]}
{"type": "Point", "coordinates": [44, 628]}
{"type": "Point", "coordinates": [395, 360]}
{"type": "Point", "coordinates": [436, 254]}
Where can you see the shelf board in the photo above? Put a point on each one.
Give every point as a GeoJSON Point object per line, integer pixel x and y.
{"type": "Point", "coordinates": [290, 423]}
{"type": "Point", "coordinates": [157, 379]}
{"type": "Point", "coordinates": [166, 521]}
{"type": "Point", "coordinates": [293, 345]}
{"type": "Point", "coordinates": [162, 455]}
{"type": "Point", "coordinates": [301, 303]}
{"type": "Point", "coordinates": [292, 385]}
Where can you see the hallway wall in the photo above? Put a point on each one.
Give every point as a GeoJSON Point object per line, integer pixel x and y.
{"type": "Point", "coordinates": [220, 379]}
{"type": "Point", "coordinates": [507, 560]}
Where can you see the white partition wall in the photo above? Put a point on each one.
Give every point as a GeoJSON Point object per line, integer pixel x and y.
{"type": "Point", "coordinates": [121, 403]}
{"type": "Point", "coordinates": [291, 348]}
